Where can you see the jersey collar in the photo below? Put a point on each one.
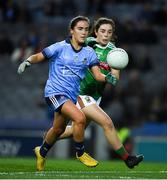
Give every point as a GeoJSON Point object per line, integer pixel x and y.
{"type": "Point", "coordinates": [102, 47]}
{"type": "Point", "coordinates": [68, 40]}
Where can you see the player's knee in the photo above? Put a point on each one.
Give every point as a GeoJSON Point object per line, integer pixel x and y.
{"type": "Point", "coordinates": [108, 124]}
{"type": "Point", "coordinates": [81, 120]}
{"type": "Point", "coordinates": [58, 131]}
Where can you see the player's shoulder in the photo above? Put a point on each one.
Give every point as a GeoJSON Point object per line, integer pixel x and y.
{"type": "Point", "coordinates": [89, 39]}
{"type": "Point", "coordinates": [88, 48]}
{"type": "Point", "coordinates": [60, 45]}
{"type": "Point", "coordinates": [111, 45]}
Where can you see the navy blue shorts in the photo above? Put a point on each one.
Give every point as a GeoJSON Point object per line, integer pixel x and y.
{"type": "Point", "coordinates": [55, 102]}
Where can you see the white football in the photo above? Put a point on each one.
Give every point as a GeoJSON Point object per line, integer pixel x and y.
{"type": "Point", "coordinates": [117, 58]}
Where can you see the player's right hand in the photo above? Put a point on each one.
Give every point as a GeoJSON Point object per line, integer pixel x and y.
{"type": "Point", "coordinates": [23, 66]}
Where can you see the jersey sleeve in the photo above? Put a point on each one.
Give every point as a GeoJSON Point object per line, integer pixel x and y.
{"type": "Point", "coordinates": [91, 41]}
{"type": "Point", "coordinates": [93, 59]}
{"type": "Point", "coordinates": [50, 51]}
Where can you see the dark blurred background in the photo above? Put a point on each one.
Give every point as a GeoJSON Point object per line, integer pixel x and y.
{"type": "Point", "coordinates": [138, 105]}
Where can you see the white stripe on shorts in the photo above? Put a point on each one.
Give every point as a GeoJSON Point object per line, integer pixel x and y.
{"type": "Point", "coordinates": [54, 101]}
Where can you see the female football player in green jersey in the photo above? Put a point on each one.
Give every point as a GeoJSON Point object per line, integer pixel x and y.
{"type": "Point", "coordinates": [91, 91]}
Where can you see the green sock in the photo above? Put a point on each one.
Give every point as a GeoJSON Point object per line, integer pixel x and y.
{"type": "Point", "coordinates": [123, 154]}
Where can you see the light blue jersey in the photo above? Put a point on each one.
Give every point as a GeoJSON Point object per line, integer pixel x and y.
{"type": "Point", "coordinates": [67, 67]}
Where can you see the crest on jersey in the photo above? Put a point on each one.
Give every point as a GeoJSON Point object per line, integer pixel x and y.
{"type": "Point", "coordinates": [75, 58]}
{"type": "Point", "coordinates": [87, 98]}
{"type": "Point", "coordinates": [98, 56]}
{"type": "Point", "coordinates": [84, 61]}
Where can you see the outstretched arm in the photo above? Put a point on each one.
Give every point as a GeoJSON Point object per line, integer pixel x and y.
{"type": "Point", "coordinates": [31, 60]}
{"type": "Point", "coordinates": [97, 74]}
{"type": "Point", "coordinates": [36, 58]}
{"type": "Point", "coordinates": [109, 78]}
{"type": "Point", "coordinates": [116, 73]}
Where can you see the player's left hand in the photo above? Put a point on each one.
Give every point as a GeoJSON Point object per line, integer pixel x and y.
{"type": "Point", "coordinates": [23, 66]}
{"type": "Point", "coordinates": [110, 78]}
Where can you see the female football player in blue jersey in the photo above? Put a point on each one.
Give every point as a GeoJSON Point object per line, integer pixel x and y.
{"type": "Point", "coordinates": [91, 91]}
{"type": "Point", "coordinates": [68, 62]}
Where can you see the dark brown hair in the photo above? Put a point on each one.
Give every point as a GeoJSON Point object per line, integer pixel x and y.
{"type": "Point", "coordinates": [101, 21]}
{"type": "Point", "coordinates": [76, 19]}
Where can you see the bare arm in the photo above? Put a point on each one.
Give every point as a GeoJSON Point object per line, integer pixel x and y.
{"type": "Point", "coordinates": [35, 58]}
{"type": "Point", "coordinates": [97, 74]}
{"type": "Point", "coordinates": [31, 60]}
{"type": "Point", "coordinates": [116, 73]}
{"type": "Point", "coordinates": [110, 78]}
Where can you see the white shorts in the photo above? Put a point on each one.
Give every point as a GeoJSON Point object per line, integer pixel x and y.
{"type": "Point", "coordinates": [87, 101]}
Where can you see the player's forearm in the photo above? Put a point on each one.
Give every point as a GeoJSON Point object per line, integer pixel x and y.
{"type": "Point", "coordinates": [35, 58]}
{"type": "Point", "coordinates": [100, 77]}
{"type": "Point", "coordinates": [31, 60]}
{"type": "Point", "coordinates": [116, 73]}
{"type": "Point", "coordinates": [97, 74]}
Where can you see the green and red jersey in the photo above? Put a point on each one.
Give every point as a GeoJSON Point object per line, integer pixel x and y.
{"type": "Point", "coordinates": [89, 86]}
